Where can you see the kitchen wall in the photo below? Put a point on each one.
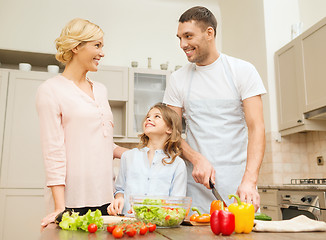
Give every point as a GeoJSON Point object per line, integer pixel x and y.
{"type": "Point", "coordinates": [134, 30]}
{"type": "Point", "coordinates": [294, 157]}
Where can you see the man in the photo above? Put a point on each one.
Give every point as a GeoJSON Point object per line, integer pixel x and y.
{"type": "Point", "coordinates": [220, 99]}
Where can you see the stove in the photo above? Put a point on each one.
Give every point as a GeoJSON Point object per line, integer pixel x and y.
{"type": "Point", "coordinates": [309, 181]}
{"type": "Point", "coordinates": [310, 202]}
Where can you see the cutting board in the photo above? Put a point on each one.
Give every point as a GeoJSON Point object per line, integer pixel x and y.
{"type": "Point", "coordinates": [115, 219]}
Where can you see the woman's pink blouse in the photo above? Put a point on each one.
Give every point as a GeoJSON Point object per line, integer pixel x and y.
{"type": "Point", "coordinates": [77, 141]}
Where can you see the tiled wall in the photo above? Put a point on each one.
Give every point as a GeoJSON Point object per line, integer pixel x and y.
{"type": "Point", "coordinates": [293, 157]}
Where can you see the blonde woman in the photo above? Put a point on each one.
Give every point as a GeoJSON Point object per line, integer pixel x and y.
{"type": "Point", "coordinates": [154, 168]}
{"type": "Point", "coordinates": [76, 125]}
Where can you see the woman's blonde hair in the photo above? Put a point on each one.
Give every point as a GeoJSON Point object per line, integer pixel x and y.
{"type": "Point", "coordinates": [76, 32]}
{"type": "Point", "coordinates": [172, 146]}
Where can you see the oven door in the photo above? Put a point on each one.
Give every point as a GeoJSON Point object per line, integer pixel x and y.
{"type": "Point", "coordinates": [290, 211]}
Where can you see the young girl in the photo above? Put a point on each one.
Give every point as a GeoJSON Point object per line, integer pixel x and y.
{"type": "Point", "coordinates": [154, 168]}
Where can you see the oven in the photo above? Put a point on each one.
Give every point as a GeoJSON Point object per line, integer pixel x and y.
{"type": "Point", "coordinates": [307, 198]}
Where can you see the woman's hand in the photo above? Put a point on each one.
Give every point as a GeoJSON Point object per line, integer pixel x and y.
{"type": "Point", "coordinates": [116, 206]}
{"type": "Point", "coordinates": [50, 218]}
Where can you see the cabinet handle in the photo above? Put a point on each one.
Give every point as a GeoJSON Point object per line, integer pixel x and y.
{"type": "Point", "coordinates": [265, 207]}
{"type": "Point", "coordinates": [299, 121]}
{"type": "Point", "coordinates": [264, 190]}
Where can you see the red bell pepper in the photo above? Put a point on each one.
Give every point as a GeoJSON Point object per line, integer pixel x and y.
{"type": "Point", "coordinates": [222, 222]}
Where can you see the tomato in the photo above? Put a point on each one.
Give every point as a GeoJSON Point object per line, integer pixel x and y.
{"type": "Point", "coordinates": [151, 227]}
{"type": "Point", "coordinates": [92, 228]}
{"type": "Point", "coordinates": [143, 230]}
{"type": "Point", "coordinates": [131, 232]}
{"type": "Point", "coordinates": [110, 228]}
{"type": "Point", "coordinates": [118, 232]}
{"type": "Point", "coordinates": [167, 217]}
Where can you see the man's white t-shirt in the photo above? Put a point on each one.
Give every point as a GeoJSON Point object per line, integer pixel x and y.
{"type": "Point", "coordinates": [211, 82]}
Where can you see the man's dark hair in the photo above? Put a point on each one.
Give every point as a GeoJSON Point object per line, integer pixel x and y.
{"type": "Point", "coordinates": [202, 16]}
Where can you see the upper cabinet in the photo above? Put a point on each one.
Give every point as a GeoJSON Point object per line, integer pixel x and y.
{"type": "Point", "coordinates": [115, 80]}
{"type": "Point", "coordinates": [146, 88]}
{"type": "Point", "coordinates": [300, 81]}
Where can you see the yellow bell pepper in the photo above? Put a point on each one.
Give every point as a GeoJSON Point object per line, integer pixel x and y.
{"type": "Point", "coordinates": [244, 215]}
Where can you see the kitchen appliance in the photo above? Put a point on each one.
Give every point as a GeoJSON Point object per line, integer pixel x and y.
{"type": "Point", "coordinates": [305, 197]}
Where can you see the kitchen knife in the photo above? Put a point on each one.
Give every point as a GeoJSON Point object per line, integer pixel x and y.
{"type": "Point", "coordinates": [215, 192]}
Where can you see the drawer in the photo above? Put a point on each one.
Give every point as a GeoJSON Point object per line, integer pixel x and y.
{"type": "Point", "coordinates": [272, 211]}
{"type": "Point", "coordinates": [268, 197]}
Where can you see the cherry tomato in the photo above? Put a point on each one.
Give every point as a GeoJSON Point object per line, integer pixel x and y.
{"type": "Point", "coordinates": [131, 232]}
{"type": "Point", "coordinates": [143, 230]}
{"type": "Point", "coordinates": [118, 232]}
{"type": "Point", "coordinates": [92, 228]}
{"type": "Point", "coordinates": [167, 217]}
{"type": "Point", "coordinates": [110, 228]}
{"type": "Point", "coordinates": [151, 227]}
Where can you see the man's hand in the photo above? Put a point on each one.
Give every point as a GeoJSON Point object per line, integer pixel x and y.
{"type": "Point", "coordinates": [116, 206]}
{"type": "Point", "coordinates": [249, 194]}
{"type": "Point", "coordinates": [203, 171]}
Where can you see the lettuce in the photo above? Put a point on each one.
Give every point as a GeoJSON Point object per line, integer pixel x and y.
{"type": "Point", "coordinates": [156, 213]}
{"type": "Point", "coordinates": [74, 221]}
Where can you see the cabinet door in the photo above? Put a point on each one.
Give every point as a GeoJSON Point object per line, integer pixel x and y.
{"type": "Point", "coordinates": [115, 79]}
{"type": "Point", "coordinates": [21, 213]}
{"type": "Point", "coordinates": [146, 89]}
{"type": "Point", "coordinates": [3, 99]}
{"type": "Point", "coordinates": [289, 87]}
{"type": "Point", "coordinates": [314, 58]}
{"type": "Point", "coordinates": [22, 164]}
{"type": "Point", "coordinates": [268, 197]}
{"type": "Point", "coordinates": [272, 211]}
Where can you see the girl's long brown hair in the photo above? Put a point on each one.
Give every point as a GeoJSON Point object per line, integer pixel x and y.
{"type": "Point", "coordinates": [172, 146]}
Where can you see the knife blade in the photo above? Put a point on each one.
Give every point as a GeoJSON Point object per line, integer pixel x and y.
{"type": "Point", "coordinates": [215, 192]}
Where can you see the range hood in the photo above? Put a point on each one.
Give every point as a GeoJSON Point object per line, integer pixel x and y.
{"type": "Point", "coordinates": [319, 114]}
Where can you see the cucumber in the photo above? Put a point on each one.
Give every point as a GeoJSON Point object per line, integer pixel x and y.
{"type": "Point", "coordinates": [263, 217]}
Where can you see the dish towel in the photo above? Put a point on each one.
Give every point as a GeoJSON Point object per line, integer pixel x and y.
{"type": "Point", "coordinates": [298, 224]}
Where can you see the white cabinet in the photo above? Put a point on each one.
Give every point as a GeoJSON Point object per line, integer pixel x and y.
{"type": "Point", "coordinates": [146, 88]}
{"type": "Point", "coordinates": [269, 203]}
{"type": "Point", "coordinates": [21, 213]}
{"type": "Point", "coordinates": [3, 99]}
{"type": "Point", "coordinates": [300, 81]}
{"type": "Point", "coordinates": [22, 163]}
{"type": "Point", "coordinates": [314, 66]}
{"type": "Point", "coordinates": [115, 79]}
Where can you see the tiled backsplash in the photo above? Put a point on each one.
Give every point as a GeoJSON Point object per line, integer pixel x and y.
{"type": "Point", "coordinates": [294, 157]}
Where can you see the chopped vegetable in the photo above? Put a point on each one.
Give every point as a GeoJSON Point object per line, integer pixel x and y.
{"type": "Point", "coordinates": [153, 211]}
{"type": "Point", "coordinates": [74, 221]}
{"type": "Point", "coordinates": [244, 215]}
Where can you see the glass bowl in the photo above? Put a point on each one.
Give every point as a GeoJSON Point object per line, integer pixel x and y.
{"type": "Point", "coordinates": [161, 210]}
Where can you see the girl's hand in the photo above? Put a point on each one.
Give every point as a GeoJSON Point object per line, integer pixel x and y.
{"type": "Point", "coordinates": [116, 206]}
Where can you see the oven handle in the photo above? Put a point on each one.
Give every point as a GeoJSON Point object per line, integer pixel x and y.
{"type": "Point", "coordinates": [300, 207]}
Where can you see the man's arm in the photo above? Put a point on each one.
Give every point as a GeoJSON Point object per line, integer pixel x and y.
{"type": "Point", "coordinates": [253, 109]}
{"type": "Point", "coordinates": [203, 169]}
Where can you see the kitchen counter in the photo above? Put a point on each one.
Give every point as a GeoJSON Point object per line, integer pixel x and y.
{"type": "Point", "coordinates": [53, 232]}
{"type": "Point", "coordinates": [294, 187]}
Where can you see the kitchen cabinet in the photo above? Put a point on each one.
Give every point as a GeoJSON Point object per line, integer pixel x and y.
{"type": "Point", "coordinates": [146, 88]}
{"type": "Point", "coordinates": [3, 99]}
{"type": "Point", "coordinates": [22, 163]}
{"type": "Point", "coordinates": [21, 213]}
{"type": "Point", "coordinates": [300, 80]}
{"type": "Point", "coordinates": [269, 203]}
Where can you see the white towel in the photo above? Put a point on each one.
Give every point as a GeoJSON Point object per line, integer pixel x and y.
{"type": "Point", "coordinates": [298, 224]}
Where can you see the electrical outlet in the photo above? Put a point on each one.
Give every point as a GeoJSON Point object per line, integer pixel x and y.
{"type": "Point", "coordinates": [320, 160]}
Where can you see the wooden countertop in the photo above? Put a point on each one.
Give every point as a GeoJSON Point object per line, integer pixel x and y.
{"type": "Point", "coordinates": [53, 232]}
